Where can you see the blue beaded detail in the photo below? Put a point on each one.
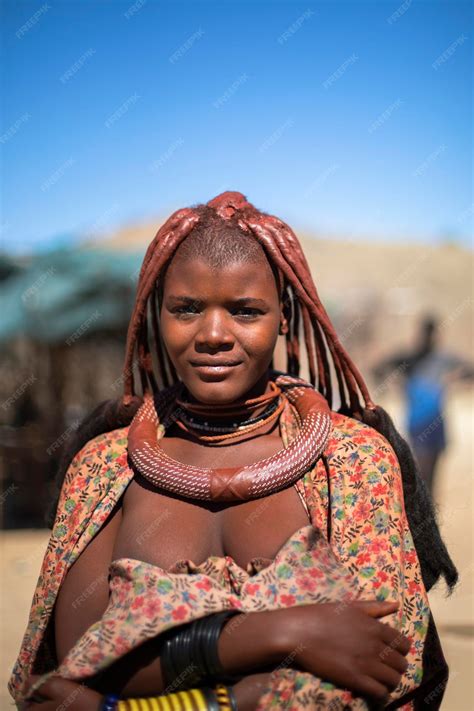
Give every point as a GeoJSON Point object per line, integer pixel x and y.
{"type": "Point", "coordinates": [110, 702]}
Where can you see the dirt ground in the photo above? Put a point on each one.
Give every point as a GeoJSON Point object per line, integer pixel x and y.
{"type": "Point", "coordinates": [21, 554]}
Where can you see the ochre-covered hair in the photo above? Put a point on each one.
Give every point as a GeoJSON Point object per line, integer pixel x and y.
{"type": "Point", "coordinates": [301, 299]}
{"type": "Point", "coordinates": [231, 217]}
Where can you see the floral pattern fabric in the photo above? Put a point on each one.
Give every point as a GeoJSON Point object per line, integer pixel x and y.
{"type": "Point", "coordinates": [357, 546]}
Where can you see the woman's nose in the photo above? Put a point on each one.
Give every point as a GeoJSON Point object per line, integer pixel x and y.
{"type": "Point", "coordinates": [214, 331]}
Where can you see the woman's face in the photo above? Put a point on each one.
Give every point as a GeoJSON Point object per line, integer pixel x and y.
{"type": "Point", "coordinates": [220, 326]}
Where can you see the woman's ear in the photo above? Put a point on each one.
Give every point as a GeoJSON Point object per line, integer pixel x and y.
{"type": "Point", "coordinates": [283, 326]}
{"type": "Point", "coordinates": [283, 319]}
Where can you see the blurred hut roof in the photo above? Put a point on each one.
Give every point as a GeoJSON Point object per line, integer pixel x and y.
{"type": "Point", "coordinates": [59, 295]}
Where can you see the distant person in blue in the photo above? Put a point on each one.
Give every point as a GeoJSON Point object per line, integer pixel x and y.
{"type": "Point", "coordinates": [427, 370]}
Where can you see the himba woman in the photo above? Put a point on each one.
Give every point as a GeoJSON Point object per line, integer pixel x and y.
{"type": "Point", "coordinates": [227, 538]}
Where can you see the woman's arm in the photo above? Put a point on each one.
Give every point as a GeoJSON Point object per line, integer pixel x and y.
{"type": "Point", "coordinates": [341, 642]}
{"type": "Point", "coordinates": [83, 597]}
{"type": "Point", "coordinates": [249, 643]}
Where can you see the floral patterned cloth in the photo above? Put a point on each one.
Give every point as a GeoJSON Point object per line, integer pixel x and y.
{"type": "Point", "coordinates": [357, 545]}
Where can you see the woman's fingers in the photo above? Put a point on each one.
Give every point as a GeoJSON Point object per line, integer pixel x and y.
{"type": "Point", "coordinates": [394, 659]}
{"type": "Point", "coordinates": [51, 687]}
{"type": "Point", "coordinates": [385, 675]}
{"type": "Point", "coordinates": [395, 639]}
{"type": "Point", "coordinates": [33, 701]}
{"type": "Point", "coordinates": [53, 691]}
{"type": "Point", "coordinates": [32, 679]}
{"type": "Point", "coordinates": [377, 608]}
{"type": "Point", "coordinates": [373, 688]}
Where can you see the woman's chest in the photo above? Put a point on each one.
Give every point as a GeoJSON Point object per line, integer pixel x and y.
{"type": "Point", "coordinates": [161, 529]}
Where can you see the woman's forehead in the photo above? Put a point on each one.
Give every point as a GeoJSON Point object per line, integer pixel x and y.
{"type": "Point", "coordinates": [198, 275]}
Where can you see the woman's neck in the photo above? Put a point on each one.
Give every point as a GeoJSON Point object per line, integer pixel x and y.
{"type": "Point", "coordinates": [261, 387]}
{"type": "Point", "coordinates": [211, 419]}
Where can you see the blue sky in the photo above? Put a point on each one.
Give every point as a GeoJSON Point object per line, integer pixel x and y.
{"type": "Point", "coordinates": [340, 117]}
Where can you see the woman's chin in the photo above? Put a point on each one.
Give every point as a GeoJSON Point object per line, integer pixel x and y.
{"type": "Point", "coordinates": [210, 390]}
{"type": "Point", "coordinates": [216, 393]}
{"type": "Point", "coordinates": [226, 385]}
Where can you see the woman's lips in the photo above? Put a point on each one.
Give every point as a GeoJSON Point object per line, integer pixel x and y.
{"type": "Point", "coordinates": [214, 371]}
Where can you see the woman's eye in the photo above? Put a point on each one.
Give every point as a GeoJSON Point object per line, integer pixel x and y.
{"type": "Point", "coordinates": [185, 310]}
{"type": "Point", "coordinates": [190, 310]}
{"type": "Point", "coordinates": [247, 312]}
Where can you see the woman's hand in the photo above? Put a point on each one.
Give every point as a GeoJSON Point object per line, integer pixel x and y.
{"type": "Point", "coordinates": [56, 691]}
{"type": "Point", "coordinates": [344, 643]}
{"type": "Point", "coordinates": [249, 690]}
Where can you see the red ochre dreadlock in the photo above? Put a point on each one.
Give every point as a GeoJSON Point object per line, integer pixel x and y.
{"type": "Point", "coordinates": [323, 348]}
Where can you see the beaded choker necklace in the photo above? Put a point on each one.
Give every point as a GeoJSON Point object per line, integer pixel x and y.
{"type": "Point", "coordinates": [233, 483]}
{"type": "Point", "coordinates": [196, 418]}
